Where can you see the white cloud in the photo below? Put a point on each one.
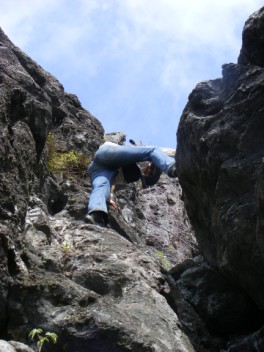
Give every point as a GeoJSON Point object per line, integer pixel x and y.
{"type": "Point", "coordinates": [18, 18]}
{"type": "Point", "coordinates": [170, 31]}
{"type": "Point", "coordinates": [128, 55]}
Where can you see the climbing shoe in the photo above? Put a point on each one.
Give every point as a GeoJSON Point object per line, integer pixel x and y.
{"type": "Point", "coordinates": [172, 170]}
{"type": "Point", "coordinates": [97, 218]}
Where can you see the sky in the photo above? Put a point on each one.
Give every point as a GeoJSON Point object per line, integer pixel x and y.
{"type": "Point", "coordinates": [131, 63]}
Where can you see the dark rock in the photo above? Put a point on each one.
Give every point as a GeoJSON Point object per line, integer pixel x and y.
{"type": "Point", "coordinates": [5, 276]}
{"type": "Point", "coordinates": [223, 306]}
{"type": "Point", "coordinates": [253, 342]}
{"type": "Point", "coordinates": [252, 51]}
{"type": "Point", "coordinates": [33, 103]}
{"type": "Point", "coordinates": [54, 196]}
{"type": "Point", "coordinates": [220, 167]}
{"type": "Point", "coordinates": [98, 289]}
{"type": "Point", "coordinates": [219, 160]}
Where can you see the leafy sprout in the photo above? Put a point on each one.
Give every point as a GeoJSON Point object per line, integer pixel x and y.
{"type": "Point", "coordinates": [38, 333]}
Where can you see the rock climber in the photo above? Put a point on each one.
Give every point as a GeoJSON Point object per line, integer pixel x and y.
{"type": "Point", "coordinates": [117, 164]}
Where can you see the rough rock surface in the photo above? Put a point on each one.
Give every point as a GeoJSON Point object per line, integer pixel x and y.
{"type": "Point", "coordinates": [97, 289]}
{"type": "Point", "coordinates": [142, 284]}
{"type": "Point", "coordinates": [220, 154]}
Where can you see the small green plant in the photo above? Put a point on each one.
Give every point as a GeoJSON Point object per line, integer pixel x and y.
{"type": "Point", "coordinates": [66, 249]}
{"type": "Point", "coordinates": [70, 164]}
{"type": "Point", "coordinates": [47, 337]}
{"type": "Point", "coordinates": [164, 261]}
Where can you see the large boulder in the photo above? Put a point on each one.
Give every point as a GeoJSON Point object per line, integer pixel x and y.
{"type": "Point", "coordinates": [220, 165]}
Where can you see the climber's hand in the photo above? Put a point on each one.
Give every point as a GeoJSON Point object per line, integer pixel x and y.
{"type": "Point", "coordinates": [113, 204]}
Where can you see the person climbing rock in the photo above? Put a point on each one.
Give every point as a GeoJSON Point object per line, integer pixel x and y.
{"type": "Point", "coordinates": [117, 164]}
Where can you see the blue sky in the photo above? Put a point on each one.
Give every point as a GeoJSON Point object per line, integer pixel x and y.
{"type": "Point", "coordinates": [132, 63]}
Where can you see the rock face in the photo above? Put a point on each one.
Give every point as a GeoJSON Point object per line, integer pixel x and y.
{"type": "Point", "coordinates": [220, 166]}
{"type": "Point", "coordinates": [98, 289]}
{"type": "Point", "coordinates": [142, 284]}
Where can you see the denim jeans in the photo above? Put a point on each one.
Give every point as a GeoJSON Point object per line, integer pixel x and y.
{"type": "Point", "coordinates": [109, 158]}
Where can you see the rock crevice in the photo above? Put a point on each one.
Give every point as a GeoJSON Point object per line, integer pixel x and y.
{"type": "Point", "coordinates": [164, 276]}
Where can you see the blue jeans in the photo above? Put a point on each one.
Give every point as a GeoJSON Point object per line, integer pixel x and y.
{"type": "Point", "coordinates": [108, 159]}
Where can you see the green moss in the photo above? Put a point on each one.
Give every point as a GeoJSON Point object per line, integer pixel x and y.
{"type": "Point", "coordinates": [164, 261]}
{"type": "Point", "coordinates": [70, 164]}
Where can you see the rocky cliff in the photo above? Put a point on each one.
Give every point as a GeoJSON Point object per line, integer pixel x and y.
{"type": "Point", "coordinates": [220, 165]}
{"type": "Point", "coordinates": [97, 289]}
{"type": "Point", "coordinates": [144, 283]}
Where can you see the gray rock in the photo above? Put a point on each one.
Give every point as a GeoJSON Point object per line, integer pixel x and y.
{"type": "Point", "coordinates": [20, 347]}
{"type": "Point", "coordinates": [6, 347]}
{"type": "Point", "coordinates": [115, 137]}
